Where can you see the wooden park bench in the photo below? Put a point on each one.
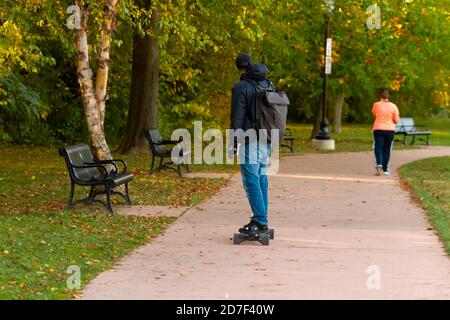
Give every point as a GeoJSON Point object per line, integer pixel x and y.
{"type": "Point", "coordinates": [85, 170]}
{"type": "Point", "coordinates": [162, 149]}
{"type": "Point", "coordinates": [289, 138]}
{"type": "Point", "coordinates": [407, 128]}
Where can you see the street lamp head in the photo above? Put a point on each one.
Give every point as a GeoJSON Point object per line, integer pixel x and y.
{"type": "Point", "coordinates": [330, 5]}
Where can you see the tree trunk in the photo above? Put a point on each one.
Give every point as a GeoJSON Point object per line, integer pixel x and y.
{"type": "Point", "coordinates": [337, 116]}
{"type": "Point", "coordinates": [108, 25]}
{"type": "Point", "coordinates": [317, 119]}
{"type": "Point", "coordinates": [143, 109]}
{"type": "Point", "coordinates": [84, 73]}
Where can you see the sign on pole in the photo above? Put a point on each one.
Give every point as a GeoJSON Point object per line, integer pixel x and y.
{"type": "Point", "coordinates": [327, 65]}
{"type": "Point", "coordinates": [328, 55]}
{"type": "Point", "coordinates": [328, 49]}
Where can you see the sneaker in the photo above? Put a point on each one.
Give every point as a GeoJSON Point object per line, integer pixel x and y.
{"type": "Point", "coordinates": [386, 173]}
{"type": "Point", "coordinates": [379, 170]}
{"type": "Point", "coordinates": [253, 227]}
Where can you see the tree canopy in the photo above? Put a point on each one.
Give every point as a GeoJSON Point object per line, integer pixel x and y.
{"type": "Point", "coordinates": [40, 98]}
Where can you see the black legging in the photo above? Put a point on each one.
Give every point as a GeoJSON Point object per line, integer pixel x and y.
{"type": "Point", "coordinates": [383, 146]}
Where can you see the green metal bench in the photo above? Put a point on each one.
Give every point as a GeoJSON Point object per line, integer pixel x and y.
{"type": "Point", "coordinates": [162, 149]}
{"type": "Point", "coordinates": [85, 170]}
{"type": "Point", "coordinates": [407, 128]}
{"type": "Point", "coordinates": [288, 137]}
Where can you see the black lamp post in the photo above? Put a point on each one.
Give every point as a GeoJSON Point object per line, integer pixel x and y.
{"type": "Point", "coordinates": [323, 131]}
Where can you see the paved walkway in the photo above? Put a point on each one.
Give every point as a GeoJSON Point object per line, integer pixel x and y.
{"type": "Point", "coordinates": [334, 221]}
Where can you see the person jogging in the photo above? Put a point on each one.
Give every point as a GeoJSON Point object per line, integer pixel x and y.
{"type": "Point", "coordinates": [254, 153]}
{"type": "Point", "coordinates": [386, 116]}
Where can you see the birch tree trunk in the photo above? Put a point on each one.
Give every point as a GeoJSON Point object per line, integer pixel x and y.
{"type": "Point", "coordinates": [108, 25]}
{"type": "Point", "coordinates": [94, 97]}
{"type": "Point", "coordinates": [337, 115]}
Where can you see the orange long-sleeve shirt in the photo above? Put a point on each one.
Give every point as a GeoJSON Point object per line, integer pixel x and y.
{"type": "Point", "coordinates": [386, 115]}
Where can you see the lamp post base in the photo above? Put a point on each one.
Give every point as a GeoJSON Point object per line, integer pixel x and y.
{"type": "Point", "coordinates": [323, 144]}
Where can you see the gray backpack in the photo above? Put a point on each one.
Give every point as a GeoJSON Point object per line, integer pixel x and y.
{"type": "Point", "coordinates": [271, 110]}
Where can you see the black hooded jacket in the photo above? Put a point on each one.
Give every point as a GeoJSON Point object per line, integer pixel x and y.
{"type": "Point", "coordinates": [243, 98]}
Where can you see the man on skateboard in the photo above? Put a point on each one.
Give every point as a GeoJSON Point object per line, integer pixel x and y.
{"type": "Point", "coordinates": [254, 153]}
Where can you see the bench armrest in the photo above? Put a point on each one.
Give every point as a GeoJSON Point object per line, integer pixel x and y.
{"type": "Point", "coordinates": [163, 142]}
{"type": "Point", "coordinates": [113, 162]}
{"type": "Point", "coordinates": [166, 142]}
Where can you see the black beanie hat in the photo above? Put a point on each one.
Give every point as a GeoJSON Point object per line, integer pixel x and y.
{"type": "Point", "coordinates": [243, 61]}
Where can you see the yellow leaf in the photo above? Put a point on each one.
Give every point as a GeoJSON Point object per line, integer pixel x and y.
{"type": "Point", "coordinates": [6, 252]}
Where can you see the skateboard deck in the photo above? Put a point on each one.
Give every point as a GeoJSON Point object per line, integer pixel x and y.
{"type": "Point", "coordinates": [262, 237]}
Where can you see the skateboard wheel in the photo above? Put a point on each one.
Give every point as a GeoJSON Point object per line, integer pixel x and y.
{"type": "Point", "coordinates": [271, 233]}
{"type": "Point", "coordinates": [237, 238]}
{"type": "Point", "coordinates": [265, 239]}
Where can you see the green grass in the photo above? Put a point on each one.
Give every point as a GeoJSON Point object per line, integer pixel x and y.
{"type": "Point", "coordinates": [430, 181]}
{"type": "Point", "coordinates": [38, 241]}
{"type": "Point", "coordinates": [357, 137]}
{"type": "Point", "coordinates": [37, 248]}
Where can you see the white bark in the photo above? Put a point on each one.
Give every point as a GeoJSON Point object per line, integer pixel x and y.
{"type": "Point", "coordinates": [103, 56]}
{"type": "Point", "coordinates": [89, 98]}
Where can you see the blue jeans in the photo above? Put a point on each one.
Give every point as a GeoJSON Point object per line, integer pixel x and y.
{"type": "Point", "coordinates": [383, 146]}
{"type": "Point", "coordinates": [254, 161]}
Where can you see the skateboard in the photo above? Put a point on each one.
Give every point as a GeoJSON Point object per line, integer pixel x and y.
{"type": "Point", "coordinates": [261, 237]}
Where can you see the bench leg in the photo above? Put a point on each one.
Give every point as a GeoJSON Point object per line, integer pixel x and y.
{"type": "Point", "coordinates": [187, 167]}
{"type": "Point", "coordinates": [413, 140]}
{"type": "Point", "coordinates": [153, 163]}
{"type": "Point", "coordinates": [127, 195]}
{"type": "Point", "coordinates": [428, 140]}
{"type": "Point", "coordinates": [91, 196]}
{"type": "Point", "coordinates": [179, 170]}
{"type": "Point", "coordinates": [108, 205]}
{"type": "Point", "coordinates": [292, 146]}
{"type": "Point", "coordinates": [72, 192]}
